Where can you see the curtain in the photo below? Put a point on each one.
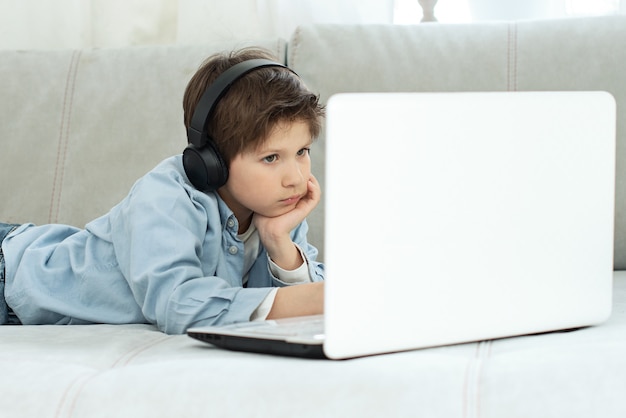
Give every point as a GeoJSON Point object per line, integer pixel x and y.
{"type": "Point", "coordinates": [47, 24]}
{"type": "Point", "coordinates": [62, 24]}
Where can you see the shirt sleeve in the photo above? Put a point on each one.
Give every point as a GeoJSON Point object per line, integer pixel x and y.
{"type": "Point", "coordinates": [167, 239]}
{"type": "Point", "coordinates": [297, 276]}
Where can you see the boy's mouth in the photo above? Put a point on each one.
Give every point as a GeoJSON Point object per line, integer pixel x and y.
{"type": "Point", "coordinates": [292, 199]}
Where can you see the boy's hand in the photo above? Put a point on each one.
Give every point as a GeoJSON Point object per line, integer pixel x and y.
{"type": "Point", "coordinates": [274, 232]}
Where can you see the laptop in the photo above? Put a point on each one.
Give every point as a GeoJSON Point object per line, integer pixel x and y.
{"type": "Point", "coordinates": [456, 217]}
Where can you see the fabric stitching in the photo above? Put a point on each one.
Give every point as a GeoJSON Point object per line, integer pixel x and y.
{"type": "Point", "coordinates": [465, 403]}
{"type": "Point", "coordinates": [128, 357]}
{"type": "Point", "coordinates": [512, 57]}
{"type": "Point", "coordinates": [74, 401]}
{"type": "Point", "coordinates": [61, 128]}
{"type": "Point", "coordinates": [67, 134]}
{"type": "Point", "coordinates": [76, 382]}
{"type": "Point", "coordinates": [78, 385]}
{"type": "Point", "coordinates": [486, 354]}
{"type": "Point", "coordinates": [473, 374]}
{"type": "Point", "coordinates": [515, 56]}
{"type": "Point", "coordinates": [292, 48]}
{"type": "Point", "coordinates": [64, 133]}
{"type": "Point", "coordinates": [508, 58]}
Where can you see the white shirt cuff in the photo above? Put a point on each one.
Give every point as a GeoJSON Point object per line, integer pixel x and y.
{"type": "Point", "coordinates": [261, 312]}
{"type": "Point", "coordinates": [297, 276]}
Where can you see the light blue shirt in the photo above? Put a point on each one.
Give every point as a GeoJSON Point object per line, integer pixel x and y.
{"type": "Point", "coordinates": [167, 254]}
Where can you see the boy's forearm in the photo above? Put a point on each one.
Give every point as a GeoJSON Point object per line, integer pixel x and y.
{"type": "Point", "coordinates": [285, 255]}
{"type": "Point", "coordinates": [298, 300]}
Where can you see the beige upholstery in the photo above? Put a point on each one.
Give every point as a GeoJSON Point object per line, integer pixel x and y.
{"type": "Point", "coordinates": [77, 128]}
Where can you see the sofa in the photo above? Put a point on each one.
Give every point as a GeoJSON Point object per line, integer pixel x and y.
{"type": "Point", "coordinates": [77, 128]}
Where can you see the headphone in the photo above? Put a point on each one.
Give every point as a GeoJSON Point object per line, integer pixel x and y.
{"type": "Point", "coordinates": [204, 166]}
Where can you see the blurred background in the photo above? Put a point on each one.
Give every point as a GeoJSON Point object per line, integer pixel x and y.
{"type": "Point", "coordinates": [63, 24]}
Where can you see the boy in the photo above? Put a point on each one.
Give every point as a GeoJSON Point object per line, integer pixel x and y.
{"type": "Point", "coordinates": [175, 256]}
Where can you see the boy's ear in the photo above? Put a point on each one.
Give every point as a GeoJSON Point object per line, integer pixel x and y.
{"type": "Point", "coordinates": [205, 167]}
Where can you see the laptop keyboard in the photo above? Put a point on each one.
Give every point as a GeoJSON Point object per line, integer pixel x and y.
{"type": "Point", "coordinates": [289, 327]}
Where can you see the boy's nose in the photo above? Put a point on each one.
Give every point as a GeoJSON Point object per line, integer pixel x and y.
{"type": "Point", "coordinates": [293, 175]}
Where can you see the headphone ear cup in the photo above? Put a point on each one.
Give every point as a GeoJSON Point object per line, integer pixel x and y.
{"type": "Point", "coordinates": [205, 167]}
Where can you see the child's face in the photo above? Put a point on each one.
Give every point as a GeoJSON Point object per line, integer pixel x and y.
{"type": "Point", "coordinates": [272, 179]}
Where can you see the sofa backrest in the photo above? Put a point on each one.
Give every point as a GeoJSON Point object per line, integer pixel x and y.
{"type": "Point", "coordinates": [569, 54]}
{"type": "Point", "coordinates": [78, 128]}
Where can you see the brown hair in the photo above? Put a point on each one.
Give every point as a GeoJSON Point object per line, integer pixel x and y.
{"type": "Point", "coordinates": [246, 115]}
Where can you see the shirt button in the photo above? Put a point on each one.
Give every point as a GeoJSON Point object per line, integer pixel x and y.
{"type": "Point", "coordinates": [233, 250]}
{"type": "Point", "coordinates": [230, 223]}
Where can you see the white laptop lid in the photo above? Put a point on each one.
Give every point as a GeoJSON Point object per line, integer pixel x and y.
{"type": "Point", "coordinates": [454, 217]}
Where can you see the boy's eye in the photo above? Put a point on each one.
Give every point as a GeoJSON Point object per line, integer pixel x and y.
{"type": "Point", "coordinates": [270, 158]}
{"type": "Point", "coordinates": [304, 151]}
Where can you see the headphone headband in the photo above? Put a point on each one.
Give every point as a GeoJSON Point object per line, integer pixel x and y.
{"type": "Point", "coordinates": [197, 132]}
